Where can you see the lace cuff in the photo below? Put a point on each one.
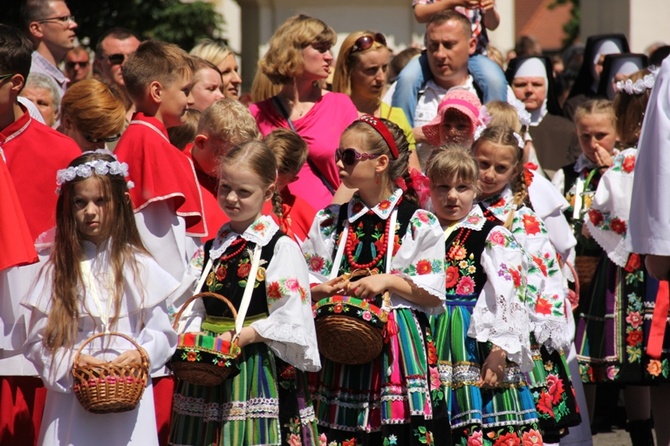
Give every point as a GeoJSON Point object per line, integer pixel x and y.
{"type": "Point", "coordinates": [291, 343]}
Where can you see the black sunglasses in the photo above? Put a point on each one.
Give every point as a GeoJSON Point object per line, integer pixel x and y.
{"type": "Point", "coordinates": [366, 41]}
{"type": "Point", "coordinates": [351, 156]}
{"type": "Point", "coordinates": [116, 59]}
{"type": "Point", "coordinates": [71, 65]}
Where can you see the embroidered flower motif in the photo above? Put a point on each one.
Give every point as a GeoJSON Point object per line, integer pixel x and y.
{"type": "Point", "coordinates": [259, 227]}
{"type": "Point", "coordinates": [544, 404]}
{"type": "Point", "coordinates": [634, 337]}
{"type": "Point", "coordinates": [516, 277]}
{"type": "Point", "coordinates": [634, 319]}
{"type": "Point", "coordinates": [542, 306]}
{"type": "Point", "coordinates": [473, 219]}
{"type": "Point", "coordinates": [532, 438]}
{"type": "Point", "coordinates": [366, 315]}
{"type": "Point", "coordinates": [243, 270]}
{"type": "Point", "coordinates": [221, 272]}
{"type": "Point", "coordinates": [432, 353]}
{"type": "Point", "coordinates": [458, 252]}
{"type": "Point", "coordinates": [465, 286]}
{"type": "Point", "coordinates": [452, 276]}
{"type": "Point", "coordinates": [191, 356]}
{"type": "Point", "coordinates": [618, 226]}
{"type": "Point", "coordinates": [596, 217]}
{"type": "Point", "coordinates": [612, 372]}
{"type": "Point", "coordinates": [338, 308]}
{"type": "Point", "coordinates": [540, 264]}
{"type": "Point", "coordinates": [531, 224]}
{"type": "Point", "coordinates": [476, 439]}
{"type": "Point", "coordinates": [423, 217]}
{"type": "Point", "coordinates": [351, 442]}
{"type": "Point", "coordinates": [273, 290]}
{"type": "Point", "coordinates": [634, 262]}
{"type": "Point", "coordinates": [497, 238]}
{"type": "Point", "coordinates": [323, 440]}
{"type": "Point", "coordinates": [435, 381]}
{"type": "Point", "coordinates": [357, 207]}
{"type": "Point", "coordinates": [294, 440]}
{"type": "Point", "coordinates": [424, 267]}
{"type": "Point", "coordinates": [628, 164]}
{"type": "Point", "coordinates": [654, 367]}
{"type": "Point", "coordinates": [555, 387]}
{"type": "Point", "coordinates": [292, 284]}
{"type": "Point", "coordinates": [260, 274]}
{"type": "Point", "coordinates": [509, 439]}
{"type": "Point", "coordinates": [384, 204]}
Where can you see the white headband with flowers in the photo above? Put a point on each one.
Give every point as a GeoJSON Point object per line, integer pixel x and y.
{"type": "Point", "coordinates": [485, 119]}
{"type": "Point", "coordinates": [637, 87]}
{"type": "Point", "coordinates": [99, 167]}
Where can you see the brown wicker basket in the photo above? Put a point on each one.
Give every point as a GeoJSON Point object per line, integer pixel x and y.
{"type": "Point", "coordinates": [202, 359]}
{"type": "Point", "coordinates": [586, 268]}
{"type": "Point", "coordinates": [350, 331]}
{"type": "Point", "coordinates": [110, 388]}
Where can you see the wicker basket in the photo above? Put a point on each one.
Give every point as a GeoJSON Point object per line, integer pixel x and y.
{"type": "Point", "coordinates": [586, 268]}
{"type": "Point", "coordinates": [202, 359]}
{"type": "Point", "coordinates": [110, 388]}
{"type": "Point", "coordinates": [350, 331]}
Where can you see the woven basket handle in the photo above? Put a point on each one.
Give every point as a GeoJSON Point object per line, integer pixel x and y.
{"type": "Point", "coordinates": [198, 296]}
{"type": "Point", "coordinates": [386, 295]}
{"type": "Point", "coordinates": [143, 354]}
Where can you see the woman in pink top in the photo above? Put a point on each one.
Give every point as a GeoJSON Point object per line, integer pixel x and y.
{"type": "Point", "coordinates": [299, 59]}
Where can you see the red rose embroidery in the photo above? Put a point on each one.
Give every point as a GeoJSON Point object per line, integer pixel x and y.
{"type": "Point", "coordinates": [221, 273]}
{"type": "Point", "coordinates": [596, 217]}
{"type": "Point", "coordinates": [516, 277]}
{"type": "Point", "coordinates": [633, 263]}
{"type": "Point", "coordinates": [628, 164]}
{"type": "Point", "coordinates": [452, 276]}
{"type": "Point", "coordinates": [532, 438]}
{"type": "Point", "coordinates": [555, 387]}
{"type": "Point", "coordinates": [542, 306]}
{"type": "Point", "coordinates": [465, 286]}
{"type": "Point", "coordinates": [243, 270]}
{"type": "Point", "coordinates": [383, 205]}
{"type": "Point", "coordinates": [509, 439]}
{"type": "Point", "coordinates": [316, 263]}
{"type": "Point", "coordinates": [634, 337]}
{"type": "Point", "coordinates": [544, 404]}
{"type": "Point", "coordinates": [273, 290]}
{"type": "Point", "coordinates": [531, 224]}
{"type": "Point", "coordinates": [424, 267]}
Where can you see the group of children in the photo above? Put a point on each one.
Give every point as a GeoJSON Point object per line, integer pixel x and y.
{"type": "Point", "coordinates": [478, 327]}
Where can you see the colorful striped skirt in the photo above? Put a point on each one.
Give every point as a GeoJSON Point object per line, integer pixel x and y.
{"type": "Point", "coordinates": [477, 415]}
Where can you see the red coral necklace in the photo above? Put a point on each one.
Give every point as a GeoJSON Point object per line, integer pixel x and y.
{"type": "Point", "coordinates": [243, 244]}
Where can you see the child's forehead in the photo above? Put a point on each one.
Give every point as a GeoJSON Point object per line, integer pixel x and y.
{"type": "Point", "coordinates": [597, 118]}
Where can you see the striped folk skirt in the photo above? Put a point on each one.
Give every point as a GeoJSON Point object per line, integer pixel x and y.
{"type": "Point", "coordinates": [386, 401]}
{"type": "Point", "coordinates": [267, 403]}
{"type": "Point", "coordinates": [505, 415]}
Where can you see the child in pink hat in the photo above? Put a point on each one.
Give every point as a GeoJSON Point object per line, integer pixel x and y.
{"type": "Point", "coordinates": [456, 121]}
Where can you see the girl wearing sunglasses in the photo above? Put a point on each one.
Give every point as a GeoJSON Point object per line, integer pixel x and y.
{"type": "Point", "coordinates": [361, 72]}
{"type": "Point", "coordinates": [381, 229]}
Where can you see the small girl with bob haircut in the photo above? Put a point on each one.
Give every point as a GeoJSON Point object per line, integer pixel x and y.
{"type": "Point", "coordinates": [267, 402]}
{"type": "Point", "coordinates": [385, 400]}
{"type": "Point", "coordinates": [98, 278]}
{"type": "Point", "coordinates": [482, 338]}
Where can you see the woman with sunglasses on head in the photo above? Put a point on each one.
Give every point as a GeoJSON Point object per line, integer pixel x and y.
{"type": "Point", "coordinates": [299, 59]}
{"type": "Point", "coordinates": [388, 399]}
{"type": "Point", "coordinates": [361, 72]}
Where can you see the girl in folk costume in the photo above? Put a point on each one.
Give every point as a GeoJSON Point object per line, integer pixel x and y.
{"type": "Point", "coordinates": [499, 152]}
{"type": "Point", "coordinates": [386, 400]}
{"type": "Point", "coordinates": [614, 329]}
{"type": "Point", "coordinates": [482, 339]}
{"type": "Point", "coordinates": [266, 403]}
{"type": "Point", "coordinates": [98, 278]}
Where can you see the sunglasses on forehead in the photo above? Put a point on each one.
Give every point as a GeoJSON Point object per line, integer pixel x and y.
{"type": "Point", "coordinates": [366, 41]}
{"type": "Point", "coordinates": [351, 156]}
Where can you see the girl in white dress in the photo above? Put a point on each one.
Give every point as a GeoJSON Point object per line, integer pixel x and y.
{"type": "Point", "coordinates": [98, 278]}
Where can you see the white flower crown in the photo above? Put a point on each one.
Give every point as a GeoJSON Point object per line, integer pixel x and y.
{"type": "Point", "coordinates": [637, 87]}
{"type": "Point", "coordinates": [99, 167]}
{"type": "Point", "coordinates": [519, 139]}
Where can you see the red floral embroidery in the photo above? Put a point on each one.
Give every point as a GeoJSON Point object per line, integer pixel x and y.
{"type": "Point", "coordinates": [316, 263]}
{"type": "Point", "coordinates": [532, 438]}
{"type": "Point", "coordinates": [191, 356]}
{"type": "Point", "coordinates": [634, 337]}
{"type": "Point", "coordinates": [259, 227]}
{"type": "Point", "coordinates": [274, 290]}
{"type": "Point", "coordinates": [476, 439]}
{"type": "Point", "coordinates": [288, 372]}
{"type": "Point", "coordinates": [509, 439]}
{"type": "Point", "coordinates": [243, 270]}
{"type": "Point", "coordinates": [516, 277]}
{"type": "Point", "coordinates": [618, 226]}
{"type": "Point", "coordinates": [654, 367]}
{"type": "Point", "coordinates": [338, 308]}
{"type": "Point", "coordinates": [465, 286]}
{"type": "Point", "coordinates": [383, 205]}
{"type": "Point", "coordinates": [555, 387]}
{"type": "Point", "coordinates": [432, 353]}
{"type": "Point", "coordinates": [634, 319]}
{"type": "Point", "coordinates": [540, 264]}
{"type": "Point", "coordinates": [458, 252]}
{"type": "Point", "coordinates": [452, 276]}
{"type": "Point", "coordinates": [221, 273]}
{"type": "Point", "coordinates": [351, 442]}
{"type": "Point", "coordinates": [424, 267]}
{"type": "Point", "coordinates": [628, 164]}
{"type": "Point", "coordinates": [497, 238]}
{"type": "Point", "coordinates": [531, 224]}
{"type": "Point", "coordinates": [544, 404]}
{"type": "Point", "coordinates": [542, 306]}
{"type": "Point", "coordinates": [596, 217]}
{"type": "Point", "coordinates": [357, 207]}
{"type": "Point", "coordinates": [634, 262]}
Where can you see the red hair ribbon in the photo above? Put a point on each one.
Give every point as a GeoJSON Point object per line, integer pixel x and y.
{"type": "Point", "coordinates": [383, 132]}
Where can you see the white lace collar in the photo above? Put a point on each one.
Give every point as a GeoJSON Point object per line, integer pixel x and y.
{"type": "Point", "coordinates": [356, 208]}
{"type": "Point", "coordinates": [584, 163]}
{"type": "Point", "coordinates": [474, 220]}
{"type": "Point", "coordinates": [260, 232]}
{"type": "Point", "coordinates": [499, 204]}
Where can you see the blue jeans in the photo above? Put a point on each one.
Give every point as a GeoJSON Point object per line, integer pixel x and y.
{"type": "Point", "coordinates": [486, 73]}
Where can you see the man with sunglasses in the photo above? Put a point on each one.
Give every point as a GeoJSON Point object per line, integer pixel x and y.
{"type": "Point", "coordinates": [77, 64]}
{"type": "Point", "coordinates": [51, 28]}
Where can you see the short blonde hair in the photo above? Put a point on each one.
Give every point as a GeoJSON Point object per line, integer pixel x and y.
{"type": "Point", "coordinates": [155, 61]}
{"type": "Point", "coordinates": [346, 60]}
{"type": "Point", "coordinates": [453, 161]}
{"type": "Point", "coordinates": [290, 150]}
{"type": "Point", "coordinates": [96, 109]}
{"type": "Point", "coordinates": [211, 51]}
{"type": "Point", "coordinates": [230, 122]}
{"type": "Point", "coordinates": [283, 60]}
{"type": "Point", "coordinates": [593, 107]}
{"type": "Point", "coordinates": [504, 114]}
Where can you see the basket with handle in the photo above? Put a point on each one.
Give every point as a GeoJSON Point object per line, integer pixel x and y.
{"type": "Point", "coordinates": [110, 388]}
{"type": "Point", "coordinates": [350, 330]}
{"type": "Point", "coordinates": [203, 359]}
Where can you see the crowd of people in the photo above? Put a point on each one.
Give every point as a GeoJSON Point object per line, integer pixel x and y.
{"type": "Point", "coordinates": [460, 254]}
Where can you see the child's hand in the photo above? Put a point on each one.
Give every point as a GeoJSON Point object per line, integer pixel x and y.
{"type": "Point", "coordinates": [471, 4]}
{"type": "Point", "coordinates": [368, 287]}
{"type": "Point", "coordinates": [89, 361]}
{"type": "Point", "coordinates": [487, 5]}
{"type": "Point", "coordinates": [327, 289]}
{"type": "Point", "coordinates": [227, 336]}
{"type": "Point", "coordinates": [493, 369]}
{"type": "Point", "coordinates": [130, 357]}
{"type": "Point", "coordinates": [602, 156]}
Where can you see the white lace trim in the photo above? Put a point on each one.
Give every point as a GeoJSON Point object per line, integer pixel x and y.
{"type": "Point", "coordinates": [226, 236]}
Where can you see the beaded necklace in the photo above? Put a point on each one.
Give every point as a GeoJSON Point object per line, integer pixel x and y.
{"type": "Point", "coordinates": [239, 241]}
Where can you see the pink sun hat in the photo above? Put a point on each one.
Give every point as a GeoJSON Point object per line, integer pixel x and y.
{"type": "Point", "coordinates": [462, 100]}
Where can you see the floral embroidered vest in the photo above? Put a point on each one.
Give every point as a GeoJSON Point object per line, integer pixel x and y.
{"type": "Point", "coordinates": [229, 279]}
{"type": "Point", "coordinates": [465, 275]}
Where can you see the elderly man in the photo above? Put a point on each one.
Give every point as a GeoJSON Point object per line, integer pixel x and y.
{"type": "Point", "coordinates": [51, 28]}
